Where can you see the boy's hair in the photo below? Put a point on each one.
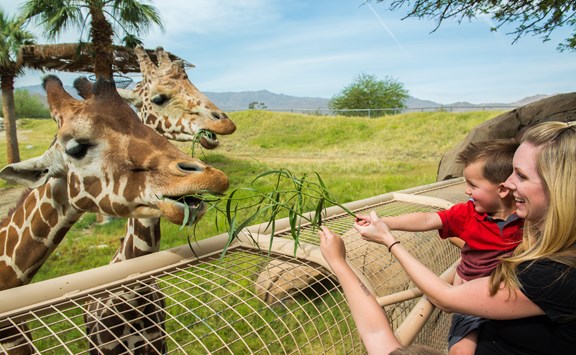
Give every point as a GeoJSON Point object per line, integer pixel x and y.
{"type": "Point", "coordinates": [497, 155]}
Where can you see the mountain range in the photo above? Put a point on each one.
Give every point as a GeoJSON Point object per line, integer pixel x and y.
{"type": "Point", "coordinates": [236, 101]}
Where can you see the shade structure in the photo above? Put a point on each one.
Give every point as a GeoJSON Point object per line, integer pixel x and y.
{"type": "Point", "coordinates": [77, 57]}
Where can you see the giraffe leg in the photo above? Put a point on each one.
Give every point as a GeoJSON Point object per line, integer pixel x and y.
{"type": "Point", "coordinates": [129, 321]}
{"type": "Point", "coordinates": [14, 340]}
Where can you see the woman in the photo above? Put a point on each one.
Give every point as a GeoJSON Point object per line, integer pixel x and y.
{"type": "Point", "coordinates": [531, 297]}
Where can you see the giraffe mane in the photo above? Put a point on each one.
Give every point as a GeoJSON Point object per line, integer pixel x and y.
{"type": "Point", "coordinates": [21, 199]}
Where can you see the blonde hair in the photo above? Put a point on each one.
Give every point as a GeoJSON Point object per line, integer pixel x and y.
{"type": "Point", "coordinates": [554, 236]}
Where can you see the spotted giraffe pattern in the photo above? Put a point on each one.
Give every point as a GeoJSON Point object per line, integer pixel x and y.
{"type": "Point", "coordinates": [103, 160]}
{"type": "Point", "coordinates": [170, 104]}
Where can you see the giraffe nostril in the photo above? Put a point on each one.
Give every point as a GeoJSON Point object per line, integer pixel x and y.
{"type": "Point", "coordinates": [219, 116]}
{"type": "Point", "coordinates": [189, 167]}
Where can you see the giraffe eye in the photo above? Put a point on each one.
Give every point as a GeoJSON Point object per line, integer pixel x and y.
{"type": "Point", "coordinates": [76, 149]}
{"type": "Point", "coordinates": [160, 99]}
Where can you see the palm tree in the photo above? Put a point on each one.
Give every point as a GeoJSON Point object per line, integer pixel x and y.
{"type": "Point", "coordinates": [12, 37]}
{"type": "Point", "coordinates": [105, 18]}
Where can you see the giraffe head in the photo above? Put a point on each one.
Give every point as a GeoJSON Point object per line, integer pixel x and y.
{"type": "Point", "coordinates": [171, 104]}
{"type": "Point", "coordinates": [114, 164]}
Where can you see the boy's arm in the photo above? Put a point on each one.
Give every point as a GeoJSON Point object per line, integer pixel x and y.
{"type": "Point", "coordinates": [414, 222]}
{"type": "Point", "coordinates": [411, 222]}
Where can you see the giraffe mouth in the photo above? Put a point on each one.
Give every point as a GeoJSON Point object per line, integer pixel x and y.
{"type": "Point", "coordinates": [184, 210]}
{"type": "Point", "coordinates": [209, 140]}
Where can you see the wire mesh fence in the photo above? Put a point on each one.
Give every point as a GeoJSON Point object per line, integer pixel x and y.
{"type": "Point", "coordinates": [255, 298]}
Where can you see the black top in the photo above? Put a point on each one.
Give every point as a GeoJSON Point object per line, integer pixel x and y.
{"type": "Point", "coordinates": [552, 286]}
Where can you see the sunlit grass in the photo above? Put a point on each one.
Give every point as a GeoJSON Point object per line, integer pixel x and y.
{"type": "Point", "coordinates": [356, 157]}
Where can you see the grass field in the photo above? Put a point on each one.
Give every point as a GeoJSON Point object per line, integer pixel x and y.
{"type": "Point", "coordinates": [356, 158]}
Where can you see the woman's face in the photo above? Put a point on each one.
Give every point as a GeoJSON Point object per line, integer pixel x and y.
{"type": "Point", "coordinates": [526, 185]}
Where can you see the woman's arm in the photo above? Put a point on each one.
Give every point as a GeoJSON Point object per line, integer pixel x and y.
{"type": "Point", "coordinates": [370, 319]}
{"type": "Point", "coordinates": [470, 298]}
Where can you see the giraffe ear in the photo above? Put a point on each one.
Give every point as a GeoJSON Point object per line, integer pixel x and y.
{"type": "Point", "coordinates": [130, 97]}
{"type": "Point", "coordinates": [25, 173]}
{"type": "Point", "coordinates": [84, 87]}
{"type": "Point", "coordinates": [34, 172]}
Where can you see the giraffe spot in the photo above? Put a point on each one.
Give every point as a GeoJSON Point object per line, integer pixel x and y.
{"type": "Point", "coordinates": [168, 123]}
{"type": "Point", "coordinates": [121, 209]}
{"type": "Point", "coordinates": [8, 247]}
{"type": "Point", "coordinates": [30, 256]}
{"type": "Point", "coordinates": [38, 227]}
{"type": "Point", "coordinates": [86, 204]}
{"type": "Point", "coordinates": [60, 235]}
{"type": "Point", "coordinates": [74, 186]}
{"type": "Point", "coordinates": [105, 204]}
{"type": "Point", "coordinates": [8, 277]}
{"type": "Point", "coordinates": [92, 186]}
{"type": "Point", "coordinates": [18, 218]}
{"type": "Point", "coordinates": [50, 218]}
{"type": "Point", "coordinates": [48, 193]}
{"type": "Point", "coordinates": [134, 186]}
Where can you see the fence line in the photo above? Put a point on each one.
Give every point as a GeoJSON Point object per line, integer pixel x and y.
{"type": "Point", "coordinates": [384, 111]}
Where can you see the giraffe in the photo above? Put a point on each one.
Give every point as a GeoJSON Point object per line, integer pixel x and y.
{"type": "Point", "coordinates": [169, 103]}
{"type": "Point", "coordinates": [104, 160]}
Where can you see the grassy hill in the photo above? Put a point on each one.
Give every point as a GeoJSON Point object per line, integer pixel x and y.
{"type": "Point", "coordinates": [356, 158]}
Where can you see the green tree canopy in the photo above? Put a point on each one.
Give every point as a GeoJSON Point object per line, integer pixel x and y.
{"type": "Point", "coordinates": [367, 92]}
{"type": "Point", "coordinates": [29, 106]}
{"type": "Point", "coordinates": [531, 17]}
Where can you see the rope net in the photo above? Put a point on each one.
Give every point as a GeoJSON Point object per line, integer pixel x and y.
{"type": "Point", "coordinates": [251, 300]}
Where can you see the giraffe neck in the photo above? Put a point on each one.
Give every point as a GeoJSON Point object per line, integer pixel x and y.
{"type": "Point", "coordinates": [142, 237]}
{"type": "Point", "coordinates": [33, 231]}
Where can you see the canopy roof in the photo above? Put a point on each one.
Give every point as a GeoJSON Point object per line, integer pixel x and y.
{"type": "Point", "coordinates": [76, 57]}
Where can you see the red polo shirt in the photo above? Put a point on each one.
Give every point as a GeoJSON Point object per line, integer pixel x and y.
{"type": "Point", "coordinates": [486, 239]}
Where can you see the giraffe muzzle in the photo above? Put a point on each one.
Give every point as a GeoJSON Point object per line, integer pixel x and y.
{"type": "Point", "coordinates": [182, 209]}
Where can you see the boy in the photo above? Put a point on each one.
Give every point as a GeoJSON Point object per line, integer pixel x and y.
{"type": "Point", "coordinates": [487, 223]}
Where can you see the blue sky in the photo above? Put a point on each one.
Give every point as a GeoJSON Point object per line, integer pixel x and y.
{"type": "Point", "coordinates": [316, 47]}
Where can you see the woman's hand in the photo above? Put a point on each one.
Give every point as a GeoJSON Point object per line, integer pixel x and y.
{"type": "Point", "coordinates": [332, 247]}
{"type": "Point", "coordinates": [373, 229]}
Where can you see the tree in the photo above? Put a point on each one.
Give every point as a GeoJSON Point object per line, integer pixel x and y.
{"type": "Point", "coordinates": [12, 37]}
{"type": "Point", "coordinates": [29, 106]}
{"type": "Point", "coordinates": [255, 105]}
{"type": "Point", "coordinates": [367, 92]}
{"type": "Point", "coordinates": [538, 18]}
{"type": "Point", "coordinates": [106, 18]}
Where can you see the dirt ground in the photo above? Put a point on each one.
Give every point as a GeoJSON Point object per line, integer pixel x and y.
{"type": "Point", "coordinates": [8, 199]}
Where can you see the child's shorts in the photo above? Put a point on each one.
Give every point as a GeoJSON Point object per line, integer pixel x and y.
{"type": "Point", "coordinates": [462, 325]}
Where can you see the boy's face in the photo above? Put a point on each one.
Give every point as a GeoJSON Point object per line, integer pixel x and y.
{"type": "Point", "coordinates": [484, 193]}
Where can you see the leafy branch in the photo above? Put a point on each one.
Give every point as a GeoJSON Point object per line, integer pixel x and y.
{"type": "Point", "coordinates": [270, 196]}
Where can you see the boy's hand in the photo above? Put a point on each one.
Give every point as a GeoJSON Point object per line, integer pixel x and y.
{"type": "Point", "coordinates": [362, 219]}
{"type": "Point", "coordinates": [373, 229]}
